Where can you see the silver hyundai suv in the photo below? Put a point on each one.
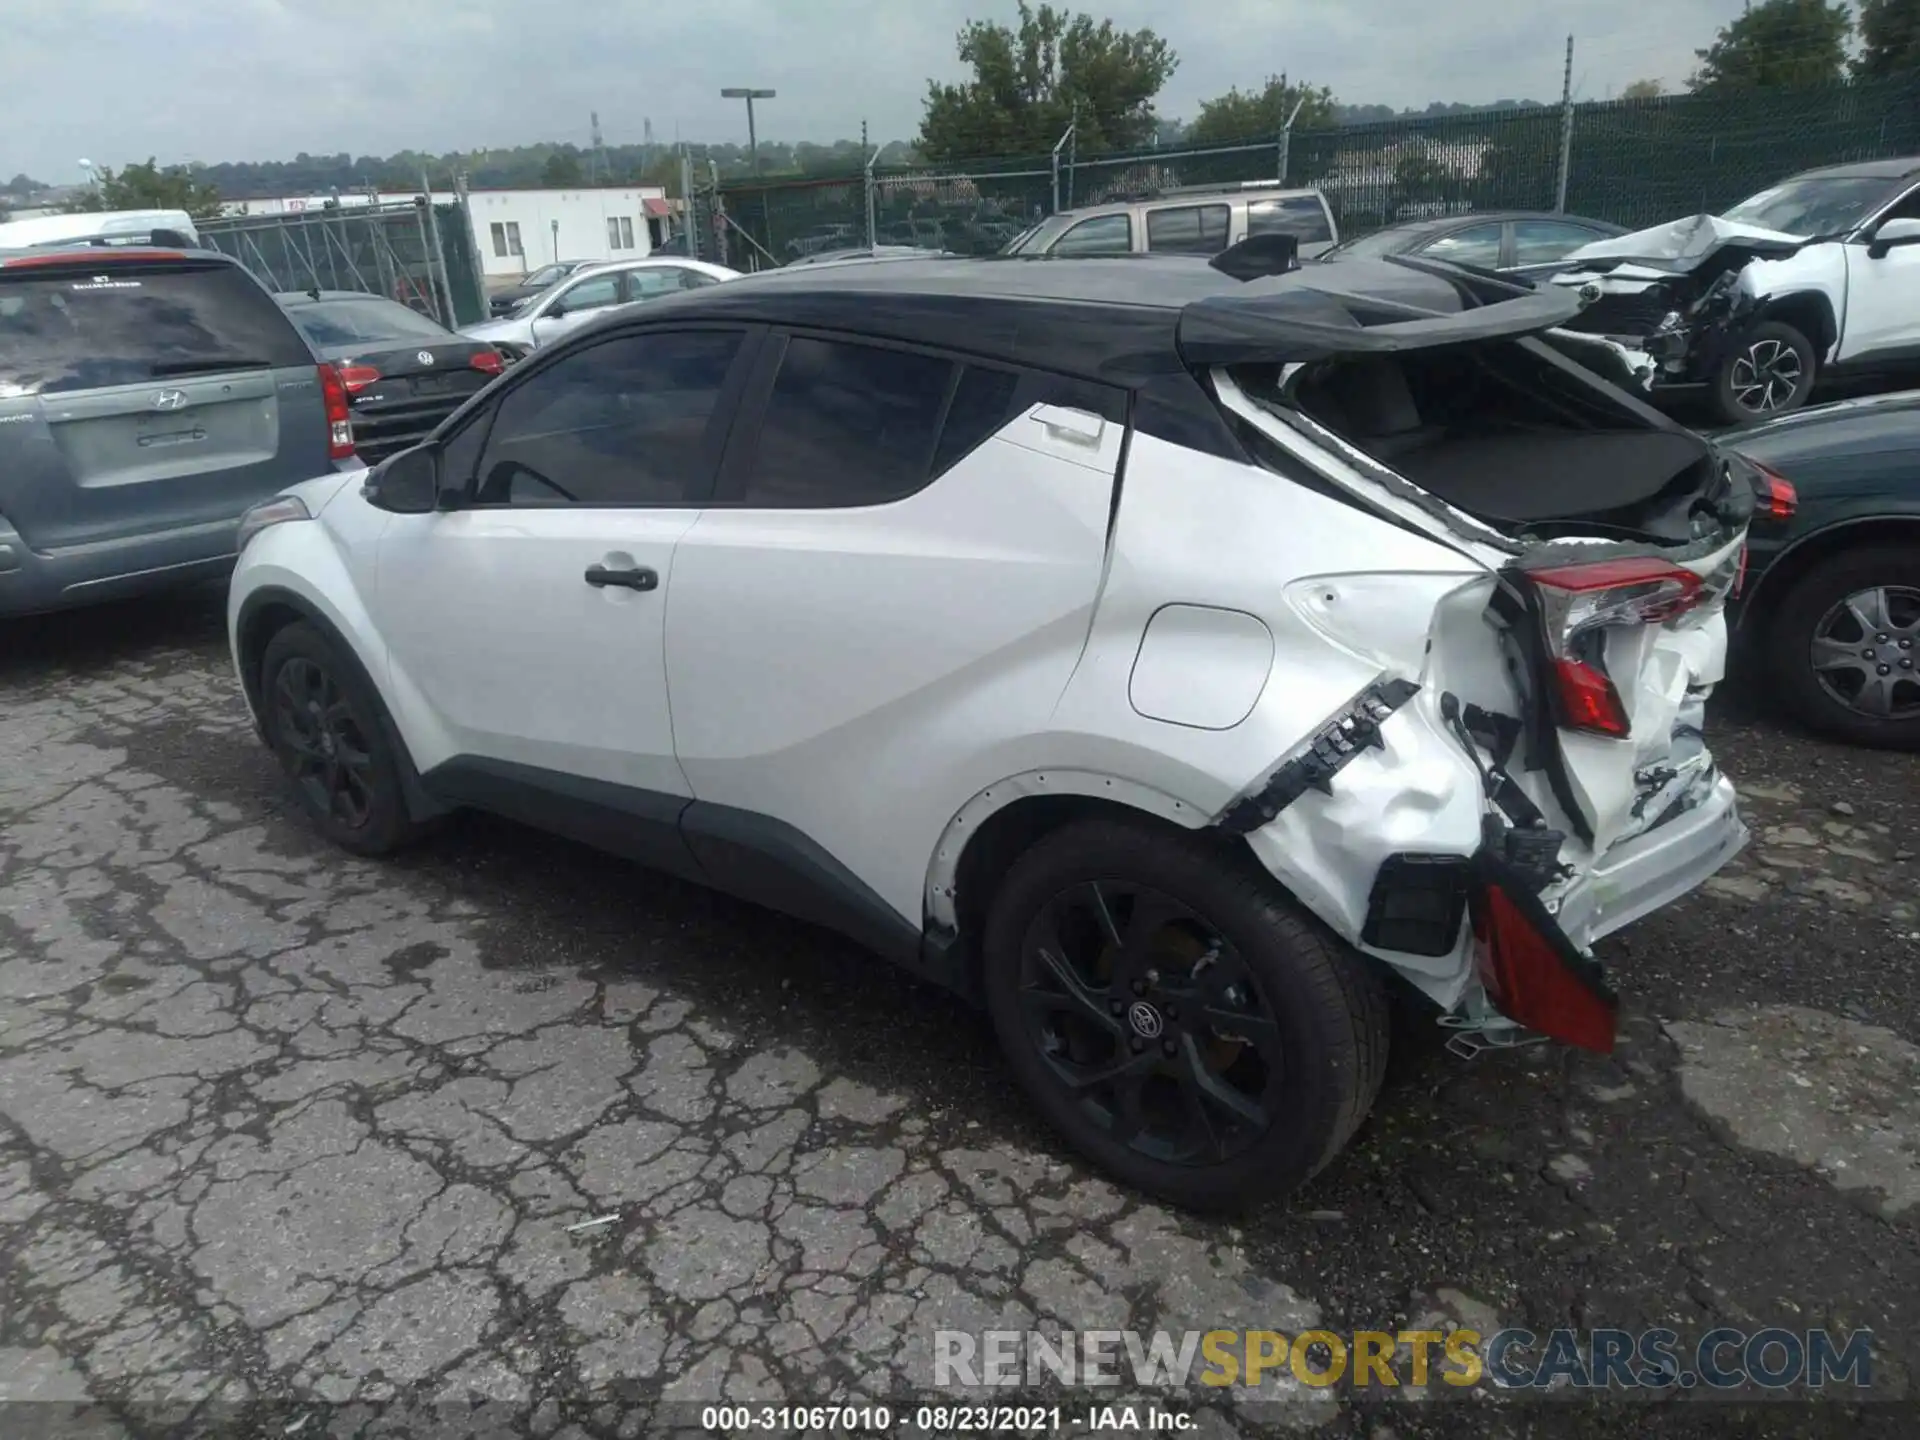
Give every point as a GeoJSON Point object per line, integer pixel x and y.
{"type": "Point", "coordinates": [148, 395]}
{"type": "Point", "coordinates": [1191, 220]}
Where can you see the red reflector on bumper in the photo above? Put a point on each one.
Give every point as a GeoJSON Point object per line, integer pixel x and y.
{"type": "Point", "coordinates": [1535, 977]}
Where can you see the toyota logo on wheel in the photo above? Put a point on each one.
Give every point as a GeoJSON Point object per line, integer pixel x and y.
{"type": "Point", "coordinates": [1144, 1019]}
{"type": "Point", "coordinates": [170, 400]}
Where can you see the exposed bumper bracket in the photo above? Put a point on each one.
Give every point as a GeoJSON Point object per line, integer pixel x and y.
{"type": "Point", "coordinates": [1323, 755]}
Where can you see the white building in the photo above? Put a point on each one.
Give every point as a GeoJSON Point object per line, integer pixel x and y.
{"type": "Point", "coordinates": [520, 230]}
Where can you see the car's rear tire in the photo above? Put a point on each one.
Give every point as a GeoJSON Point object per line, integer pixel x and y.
{"type": "Point", "coordinates": [329, 732]}
{"type": "Point", "coordinates": [1844, 648]}
{"type": "Point", "coordinates": [1176, 1017]}
{"type": "Point", "coordinates": [1769, 372]}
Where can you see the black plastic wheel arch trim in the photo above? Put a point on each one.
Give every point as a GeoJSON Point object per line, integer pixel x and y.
{"type": "Point", "coordinates": [420, 804]}
{"type": "Point", "coordinates": [1316, 760]}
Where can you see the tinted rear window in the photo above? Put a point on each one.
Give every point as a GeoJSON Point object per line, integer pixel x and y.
{"type": "Point", "coordinates": [1302, 216]}
{"type": "Point", "coordinates": [358, 322]}
{"type": "Point", "coordinates": [126, 325]}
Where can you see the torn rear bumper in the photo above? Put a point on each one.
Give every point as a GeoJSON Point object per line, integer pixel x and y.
{"type": "Point", "coordinates": [1638, 876]}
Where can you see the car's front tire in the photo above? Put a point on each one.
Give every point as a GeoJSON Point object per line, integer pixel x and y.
{"type": "Point", "coordinates": [1844, 648]}
{"type": "Point", "coordinates": [1769, 372]}
{"type": "Point", "coordinates": [1176, 1017]}
{"type": "Point", "coordinates": [328, 731]}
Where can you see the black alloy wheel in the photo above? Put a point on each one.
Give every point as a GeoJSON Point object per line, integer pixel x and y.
{"type": "Point", "coordinates": [1152, 1021]}
{"type": "Point", "coordinates": [1175, 1015]}
{"type": "Point", "coordinates": [326, 725]}
{"type": "Point", "coordinates": [330, 759]}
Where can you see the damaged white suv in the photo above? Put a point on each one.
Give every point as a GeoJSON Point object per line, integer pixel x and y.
{"type": "Point", "coordinates": [1817, 277]}
{"type": "Point", "coordinates": [1176, 664]}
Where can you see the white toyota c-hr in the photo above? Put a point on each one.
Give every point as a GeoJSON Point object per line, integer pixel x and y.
{"type": "Point", "coordinates": [1178, 664]}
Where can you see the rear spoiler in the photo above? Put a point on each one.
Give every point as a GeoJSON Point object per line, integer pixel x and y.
{"type": "Point", "coordinates": [1304, 316]}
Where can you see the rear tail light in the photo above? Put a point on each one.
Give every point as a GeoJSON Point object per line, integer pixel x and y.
{"type": "Point", "coordinates": [1778, 499]}
{"type": "Point", "coordinates": [1579, 604]}
{"type": "Point", "coordinates": [487, 362]}
{"type": "Point", "coordinates": [333, 392]}
{"type": "Point", "coordinates": [1533, 974]}
{"type": "Point", "coordinates": [357, 377]}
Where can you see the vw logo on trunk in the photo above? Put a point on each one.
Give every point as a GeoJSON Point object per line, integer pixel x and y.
{"type": "Point", "coordinates": [425, 357]}
{"type": "Point", "coordinates": [1144, 1019]}
{"type": "Point", "coordinates": [170, 400]}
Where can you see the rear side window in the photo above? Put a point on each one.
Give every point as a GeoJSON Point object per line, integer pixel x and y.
{"type": "Point", "coordinates": [1302, 216]}
{"type": "Point", "coordinates": [129, 325]}
{"type": "Point", "coordinates": [982, 403]}
{"type": "Point", "coordinates": [847, 424]}
{"type": "Point", "coordinates": [1188, 230]}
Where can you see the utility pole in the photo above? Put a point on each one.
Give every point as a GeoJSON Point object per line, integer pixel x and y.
{"type": "Point", "coordinates": [1566, 130]}
{"type": "Point", "coordinates": [748, 94]}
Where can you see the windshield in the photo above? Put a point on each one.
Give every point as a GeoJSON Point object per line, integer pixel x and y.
{"type": "Point", "coordinates": [358, 322]}
{"type": "Point", "coordinates": [547, 274]}
{"type": "Point", "coordinates": [1037, 240]}
{"type": "Point", "coordinates": [1813, 207]}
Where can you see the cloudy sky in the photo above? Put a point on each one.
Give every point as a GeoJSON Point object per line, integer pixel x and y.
{"type": "Point", "coordinates": [117, 80]}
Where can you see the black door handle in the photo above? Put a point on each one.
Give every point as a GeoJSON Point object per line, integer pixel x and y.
{"type": "Point", "coordinates": [639, 578]}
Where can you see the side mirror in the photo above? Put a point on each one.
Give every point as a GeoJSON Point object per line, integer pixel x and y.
{"type": "Point", "coordinates": [555, 310]}
{"type": "Point", "coordinates": [1892, 234]}
{"type": "Point", "coordinates": [407, 483]}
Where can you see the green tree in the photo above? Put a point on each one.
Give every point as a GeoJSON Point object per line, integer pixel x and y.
{"type": "Point", "coordinates": [1260, 114]}
{"type": "Point", "coordinates": [148, 187]}
{"type": "Point", "coordinates": [1889, 37]}
{"type": "Point", "coordinates": [1643, 90]}
{"type": "Point", "coordinates": [562, 171]}
{"type": "Point", "coordinates": [1777, 43]}
{"type": "Point", "coordinates": [1029, 83]}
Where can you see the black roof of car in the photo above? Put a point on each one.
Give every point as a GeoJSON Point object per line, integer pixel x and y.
{"type": "Point", "coordinates": [1896, 169]}
{"type": "Point", "coordinates": [1126, 319]}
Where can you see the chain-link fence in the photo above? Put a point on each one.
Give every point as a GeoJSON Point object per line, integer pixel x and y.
{"type": "Point", "coordinates": [421, 255]}
{"type": "Point", "coordinates": [1634, 162]}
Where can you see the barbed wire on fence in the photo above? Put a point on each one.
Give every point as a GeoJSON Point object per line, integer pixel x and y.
{"type": "Point", "coordinates": [1634, 162]}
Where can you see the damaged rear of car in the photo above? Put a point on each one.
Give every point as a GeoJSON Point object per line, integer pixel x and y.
{"type": "Point", "coordinates": [1750, 308]}
{"type": "Point", "coordinates": [1526, 771]}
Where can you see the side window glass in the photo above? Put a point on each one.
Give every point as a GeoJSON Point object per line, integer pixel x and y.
{"type": "Point", "coordinates": [1476, 245]}
{"type": "Point", "coordinates": [621, 423]}
{"type": "Point", "coordinates": [652, 284]}
{"type": "Point", "coordinates": [1102, 235]}
{"type": "Point", "coordinates": [1540, 242]}
{"type": "Point", "coordinates": [592, 294]}
{"type": "Point", "coordinates": [1907, 209]}
{"type": "Point", "coordinates": [1188, 230]}
{"type": "Point", "coordinates": [983, 401]}
{"type": "Point", "coordinates": [1302, 216]}
{"type": "Point", "coordinates": [460, 453]}
{"type": "Point", "coordinates": [847, 424]}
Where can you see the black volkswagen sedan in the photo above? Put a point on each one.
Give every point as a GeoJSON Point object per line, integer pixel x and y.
{"type": "Point", "coordinates": [1830, 609]}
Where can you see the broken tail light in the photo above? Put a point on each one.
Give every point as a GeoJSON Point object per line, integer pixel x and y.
{"type": "Point", "coordinates": [1531, 971]}
{"type": "Point", "coordinates": [1579, 604]}
{"type": "Point", "coordinates": [333, 393]}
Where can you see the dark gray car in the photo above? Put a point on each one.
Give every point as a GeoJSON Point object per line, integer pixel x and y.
{"type": "Point", "coordinates": [147, 397]}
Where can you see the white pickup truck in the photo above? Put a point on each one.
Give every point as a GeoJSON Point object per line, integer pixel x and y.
{"type": "Point", "coordinates": [1817, 276]}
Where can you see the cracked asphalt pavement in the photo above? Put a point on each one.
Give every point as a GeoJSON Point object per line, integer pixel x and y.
{"type": "Point", "coordinates": [284, 1132]}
